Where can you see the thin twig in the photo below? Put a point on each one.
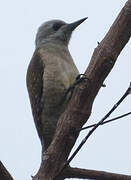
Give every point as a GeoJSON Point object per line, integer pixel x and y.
{"type": "Point", "coordinates": [105, 122]}
{"type": "Point", "coordinates": [128, 91]}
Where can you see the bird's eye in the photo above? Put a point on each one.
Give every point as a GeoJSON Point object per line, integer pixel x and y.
{"type": "Point", "coordinates": [56, 26]}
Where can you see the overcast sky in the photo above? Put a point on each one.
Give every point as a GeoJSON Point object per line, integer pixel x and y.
{"type": "Point", "coordinates": [108, 149]}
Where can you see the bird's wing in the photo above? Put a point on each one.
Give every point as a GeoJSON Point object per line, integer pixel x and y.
{"type": "Point", "coordinates": [35, 85]}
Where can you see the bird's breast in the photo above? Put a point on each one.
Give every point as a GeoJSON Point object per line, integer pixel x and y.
{"type": "Point", "coordinates": [59, 73]}
{"type": "Point", "coordinates": [55, 84]}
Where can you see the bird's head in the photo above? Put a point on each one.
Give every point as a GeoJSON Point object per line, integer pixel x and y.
{"type": "Point", "coordinates": [56, 31]}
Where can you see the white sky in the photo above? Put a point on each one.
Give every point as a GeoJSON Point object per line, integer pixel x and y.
{"type": "Point", "coordinates": [108, 149]}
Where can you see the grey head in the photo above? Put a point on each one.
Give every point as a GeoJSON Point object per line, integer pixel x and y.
{"type": "Point", "coordinates": [56, 31]}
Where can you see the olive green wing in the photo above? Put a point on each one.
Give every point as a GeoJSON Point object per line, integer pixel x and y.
{"type": "Point", "coordinates": [34, 80]}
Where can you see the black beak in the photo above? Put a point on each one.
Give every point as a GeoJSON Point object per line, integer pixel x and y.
{"type": "Point", "coordinates": [73, 25]}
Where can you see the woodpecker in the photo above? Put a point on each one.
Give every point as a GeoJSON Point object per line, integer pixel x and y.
{"type": "Point", "coordinates": [50, 73]}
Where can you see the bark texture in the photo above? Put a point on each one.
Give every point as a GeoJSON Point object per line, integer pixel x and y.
{"type": "Point", "coordinates": [4, 174]}
{"type": "Point", "coordinates": [93, 174]}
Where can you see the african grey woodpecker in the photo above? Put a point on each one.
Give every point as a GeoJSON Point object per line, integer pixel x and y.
{"type": "Point", "coordinates": [50, 73]}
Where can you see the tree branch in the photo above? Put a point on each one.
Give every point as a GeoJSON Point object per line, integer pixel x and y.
{"type": "Point", "coordinates": [93, 174]}
{"type": "Point", "coordinates": [79, 108]}
{"type": "Point", "coordinates": [4, 174]}
{"type": "Point", "coordinates": [97, 125]}
{"type": "Point", "coordinates": [105, 122]}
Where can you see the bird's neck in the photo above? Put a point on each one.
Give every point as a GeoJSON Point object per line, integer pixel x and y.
{"type": "Point", "coordinates": [51, 40]}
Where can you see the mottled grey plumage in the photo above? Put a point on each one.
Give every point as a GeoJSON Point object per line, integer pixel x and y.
{"type": "Point", "coordinates": [50, 73]}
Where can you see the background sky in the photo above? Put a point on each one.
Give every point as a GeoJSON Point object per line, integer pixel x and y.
{"type": "Point", "coordinates": [108, 149]}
